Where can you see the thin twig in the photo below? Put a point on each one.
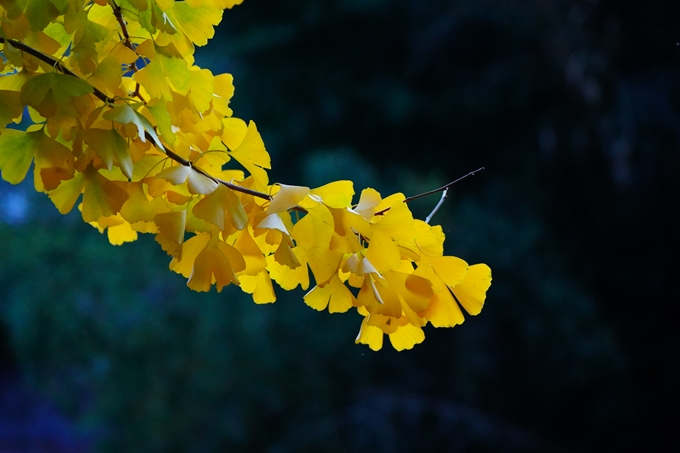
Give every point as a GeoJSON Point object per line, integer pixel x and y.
{"type": "Point", "coordinates": [472, 173]}
{"type": "Point", "coordinates": [54, 63]}
{"type": "Point", "coordinates": [436, 208]}
{"type": "Point", "coordinates": [443, 188]}
{"type": "Point", "coordinates": [127, 42]}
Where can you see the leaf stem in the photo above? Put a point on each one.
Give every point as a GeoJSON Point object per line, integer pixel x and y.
{"type": "Point", "coordinates": [127, 42]}
{"type": "Point", "coordinates": [436, 208]}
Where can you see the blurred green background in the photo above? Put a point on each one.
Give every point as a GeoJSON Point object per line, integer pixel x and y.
{"type": "Point", "coordinates": [573, 109]}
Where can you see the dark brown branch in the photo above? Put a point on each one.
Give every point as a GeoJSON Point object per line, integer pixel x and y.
{"type": "Point", "coordinates": [442, 188]}
{"type": "Point", "coordinates": [54, 63]}
{"type": "Point", "coordinates": [430, 192]}
{"type": "Point", "coordinates": [127, 42]}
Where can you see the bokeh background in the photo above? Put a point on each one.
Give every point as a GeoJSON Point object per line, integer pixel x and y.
{"type": "Point", "coordinates": [573, 109]}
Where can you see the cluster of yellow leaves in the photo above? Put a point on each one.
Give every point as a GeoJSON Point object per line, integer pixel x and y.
{"type": "Point", "coordinates": [122, 116]}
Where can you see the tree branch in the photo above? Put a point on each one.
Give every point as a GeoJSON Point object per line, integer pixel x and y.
{"type": "Point", "coordinates": [127, 42]}
{"type": "Point", "coordinates": [444, 188]}
{"type": "Point", "coordinates": [52, 62]}
{"type": "Point", "coordinates": [104, 98]}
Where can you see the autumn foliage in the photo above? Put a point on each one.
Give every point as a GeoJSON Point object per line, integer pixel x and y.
{"type": "Point", "coordinates": [120, 114]}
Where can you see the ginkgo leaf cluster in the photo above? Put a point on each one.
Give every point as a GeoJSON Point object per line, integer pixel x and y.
{"type": "Point", "coordinates": [129, 131]}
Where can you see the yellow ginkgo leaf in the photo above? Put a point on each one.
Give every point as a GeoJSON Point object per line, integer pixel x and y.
{"type": "Point", "coordinates": [120, 234]}
{"type": "Point", "coordinates": [406, 337]}
{"type": "Point", "coordinates": [223, 91]}
{"type": "Point", "coordinates": [346, 234]}
{"type": "Point", "coordinates": [252, 154]}
{"type": "Point", "coordinates": [160, 113]}
{"type": "Point", "coordinates": [52, 92]}
{"type": "Point", "coordinates": [211, 265]}
{"type": "Point", "coordinates": [382, 252]}
{"type": "Point", "coordinates": [397, 223]}
{"type": "Point", "coordinates": [471, 291]}
{"type": "Point", "coordinates": [337, 194]}
{"type": "Point", "coordinates": [139, 207]}
{"type": "Point", "coordinates": [124, 114]}
{"type": "Point", "coordinates": [379, 299]}
{"type": "Point", "coordinates": [53, 163]}
{"type": "Point", "coordinates": [171, 228]}
{"type": "Point", "coordinates": [10, 106]}
{"type": "Point", "coordinates": [233, 132]}
{"type": "Point", "coordinates": [315, 229]}
{"type": "Point", "coordinates": [260, 286]}
{"type": "Point", "coordinates": [66, 194]}
{"type": "Point", "coordinates": [196, 182]}
{"type": "Point", "coordinates": [107, 75]}
{"type": "Point", "coordinates": [369, 199]}
{"type": "Point", "coordinates": [16, 154]}
{"type": "Point", "coordinates": [324, 263]}
{"type": "Point", "coordinates": [166, 73]}
{"type": "Point", "coordinates": [284, 255]}
{"type": "Point", "coordinates": [289, 278]}
{"type": "Point", "coordinates": [222, 208]}
{"type": "Point", "coordinates": [443, 311]}
{"type": "Point", "coordinates": [273, 222]}
{"type": "Point", "coordinates": [370, 335]}
{"type": "Point", "coordinates": [197, 23]}
{"type": "Point", "coordinates": [450, 269]}
{"type": "Point", "coordinates": [101, 197]}
{"type": "Point", "coordinates": [200, 88]}
{"type": "Point", "coordinates": [109, 144]}
{"type": "Point", "coordinates": [335, 295]}
{"type": "Point", "coordinates": [184, 264]}
{"type": "Point", "coordinates": [286, 198]}
{"type": "Point", "coordinates": [415, 290]}
{"type": "Point", "coordinates": [251, 252]}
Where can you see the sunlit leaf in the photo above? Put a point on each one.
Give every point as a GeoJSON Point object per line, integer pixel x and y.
{"type": "Point", "coordinates": [10, 107]}
{"type": "Point", "coordinates": [383, 252]}
{"type": "Point", "coordinates": [101, 197]}
{"type": "Point", "coordinates": [120, 234]}
{"type": "Point", "coordinates": [16, 154]}
{"type": "Point", "coordinates": [66, 194]}
{"type": "Point", "coordinates": [260, 286]}
{"type": "Point", "coordinates": [289, 278]}
{"type": "Point", "coordinates": [286, 198]}
{"type": "Point", "coordinates": [315, 229]}
{"type": "Point", "coordinates": [324, 263]}
{"type": "Point", "coordinates": [171, 228]}
{"type": "Point", "coordinates": [335, 295]}
{"type": "Point", "coordinates": [109, 144]}
{"type": "Point", "coordinates": [222, 208]}
{"type": "Point", "coordinates": [471, 291]}
{"type": "Point", "coordinates": [370, 335]}
{"type": "Point", "coordinates": [124, 114]}
{"type": "Point", "coordinates": [211, 265]}
{"type": "Point", "coordinates": [406, 337]}
{"type": "Point", "coordinates": [197, 23]}
{"type": "Point", "coordinates": [252, 154]}
{"type": "Point", "coordinates": [50, 92]}
{"type": "Point", "coordinates": [251, 252]}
